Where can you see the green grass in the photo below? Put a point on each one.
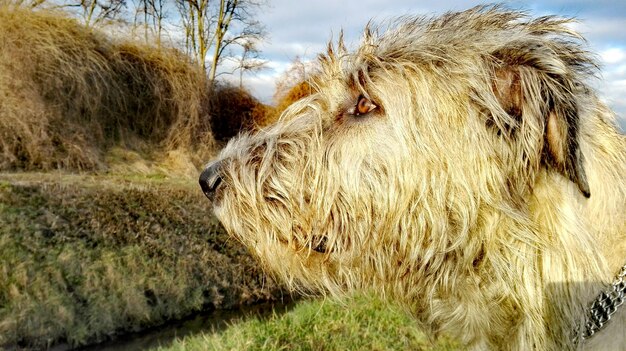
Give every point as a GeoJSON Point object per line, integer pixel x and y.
{"type": "Point", "coordinates": [84, 257]}
{"type": "Point", "coordinates": [360, 323]}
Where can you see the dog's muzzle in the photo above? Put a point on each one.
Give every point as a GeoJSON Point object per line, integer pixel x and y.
{"type": "Point", "coordinates": [210, 179]}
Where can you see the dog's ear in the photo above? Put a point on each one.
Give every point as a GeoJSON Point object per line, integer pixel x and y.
{"type": "Point", "coordinates": [533, 82]}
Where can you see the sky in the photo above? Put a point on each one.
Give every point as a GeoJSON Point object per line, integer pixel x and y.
{"type": "Point", "coordinates": [303, 29]}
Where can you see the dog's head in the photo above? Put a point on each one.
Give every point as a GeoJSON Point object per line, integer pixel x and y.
{"type": "Point", "coordinates": [408, 149]}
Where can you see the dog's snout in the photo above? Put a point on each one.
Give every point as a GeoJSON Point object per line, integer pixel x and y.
{"type": "Point", "coordinates": [210, 179]}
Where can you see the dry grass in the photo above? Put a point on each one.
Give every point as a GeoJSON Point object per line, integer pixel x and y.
{"type": "Point", "coordinates": [234, 110]}
{"type": "Point", "coordinates": [69, 93]}
{"type": "Point", "coordinates": [292, 94]}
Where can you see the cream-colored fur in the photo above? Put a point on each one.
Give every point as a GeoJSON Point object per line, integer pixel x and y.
{"type": "Point", "coordinates": [463, 192]}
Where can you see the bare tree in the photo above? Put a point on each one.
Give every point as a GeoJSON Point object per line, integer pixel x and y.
{"type": "Point", "coordinates": [150, 14]}
{"type": "Point", "coordinates": [23, 3]}
{"type": "Point", "coordinates": [91, 11]}
{"type": "Point", "coordinates": [213, 30]}
{"type": "Point", "coordinates": [249, 61]}
{"type": "Point", "coordinates": [218, 26]}
{"type": "Point", "coordinates": [96, 11]}
{"type": "Point", "coordinates": [158, 15]}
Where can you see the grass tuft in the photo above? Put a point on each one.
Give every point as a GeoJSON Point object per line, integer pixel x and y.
{"type": "Point", "coordinates": [362, 323]}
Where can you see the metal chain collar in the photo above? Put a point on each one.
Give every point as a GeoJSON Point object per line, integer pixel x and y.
{"type": "Point", "coordinates": [604, 306]}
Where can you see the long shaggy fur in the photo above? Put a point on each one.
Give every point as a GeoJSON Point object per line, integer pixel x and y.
{"type": "Point", "coordinates": [486, 191]}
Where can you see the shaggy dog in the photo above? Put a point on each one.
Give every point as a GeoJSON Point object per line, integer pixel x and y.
{"type": "Point", "coordinates": [460, 165]}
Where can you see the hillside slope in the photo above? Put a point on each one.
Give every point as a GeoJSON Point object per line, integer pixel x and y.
{"type": "Point", "coordinates": [69, 93]}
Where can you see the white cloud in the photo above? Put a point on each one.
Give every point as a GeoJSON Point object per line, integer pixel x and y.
{"type": "Point", "coordinates": [612, 85]}
{"type": "Point", "coordinates": [613, 55]}
{"type": "Point", "coordinates": [264, 85]}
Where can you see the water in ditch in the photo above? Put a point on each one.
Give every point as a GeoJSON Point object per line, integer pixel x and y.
{"type": "Point", "coordinates": [204, 322]}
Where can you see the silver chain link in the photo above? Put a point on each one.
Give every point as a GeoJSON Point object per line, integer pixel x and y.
{"type": "Point", "coordinates": [604, 306]}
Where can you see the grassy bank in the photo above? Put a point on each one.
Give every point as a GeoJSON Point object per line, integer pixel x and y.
{"type": "Point", "coordinates": [84, 257]}
{"type": "Point", "coordinates": [70, 93]}
{"type": "Point", "coordinates": [361, 323]}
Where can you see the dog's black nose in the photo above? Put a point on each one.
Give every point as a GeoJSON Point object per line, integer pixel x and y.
{"type": "Point", "coordinates": [210, 179]}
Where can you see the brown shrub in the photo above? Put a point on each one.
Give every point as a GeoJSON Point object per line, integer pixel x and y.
{"type": "Point", "coordinates": [234, 110]}
{"type": "Point", "coordinates": [293, 94]}
{"type": "Point", "coordinates": [262, 115]}
{"type": "Point", "coordinates": [297, 92]}
{"type": "Point", "coordinates": [68, 93]}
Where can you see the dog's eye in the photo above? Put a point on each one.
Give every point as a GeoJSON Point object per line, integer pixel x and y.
{"type": "Point", "coordinates": [363, 106]}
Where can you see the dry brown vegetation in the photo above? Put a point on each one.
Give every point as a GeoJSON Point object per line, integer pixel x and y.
{"type": "Point", "coordinates": [76, 99]}
{"type": "Point", "coordinates": [234, 110]}
{"type": "Point", "coordinates": [298, 91]}
{"type": "Point", "coordinates": [294, 84]}
{"type": "Point", "coordinates": [69, 93]}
